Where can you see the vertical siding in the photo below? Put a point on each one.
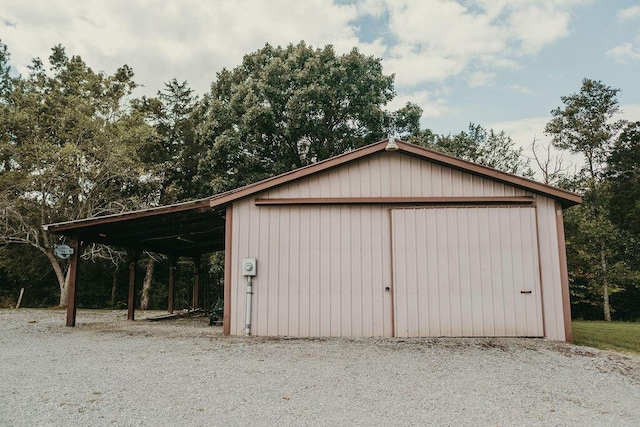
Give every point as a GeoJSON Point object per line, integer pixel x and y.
{"type": "Point", "coordinates": [392, 175]}
{"type": "Point", "coordinates": [450, 281]}
{"type": "Point", "coordinates": [322, 271]}
{"type": "Point", "coordinates": [550, 269]}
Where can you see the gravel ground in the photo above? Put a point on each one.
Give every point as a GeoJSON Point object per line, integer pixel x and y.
{"type": "Point", "coordinates": [108, 371]}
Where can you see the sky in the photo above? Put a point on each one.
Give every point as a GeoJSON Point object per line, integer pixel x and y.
{"type": "Point", "coordinates": [503, 64]}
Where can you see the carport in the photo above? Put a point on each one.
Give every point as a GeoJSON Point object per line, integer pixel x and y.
{"type": "Point", "coordinates": [181, 230]}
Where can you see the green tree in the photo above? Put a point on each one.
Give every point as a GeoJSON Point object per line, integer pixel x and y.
{"type": "Point", "coordinates": [586, 125]}
{"type": "Point", "coordinates": [5, 70]}
{"type": "Point", "coordinates": [284, 108]}
{"type": "Point", "coordinates": [623, 180]}
{"type": "Point", "coordinates": [489, 148]}
{"type": "Point", "coordinates": [623, 175]}
{"type": "Point", "coordinates": [175, 154]}
{"type": "Point", "coordinates": [70, 150]}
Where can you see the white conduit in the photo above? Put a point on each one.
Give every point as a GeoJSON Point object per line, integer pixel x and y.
{"type": "Point", "coordinates": [247, 318]}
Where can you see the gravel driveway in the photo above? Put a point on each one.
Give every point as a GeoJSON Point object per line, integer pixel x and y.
{"type": "Point", "coordinates": [108, 371]}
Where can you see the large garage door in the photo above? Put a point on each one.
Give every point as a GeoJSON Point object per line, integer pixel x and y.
{"type": "Point", "coordinates": [466, 271]}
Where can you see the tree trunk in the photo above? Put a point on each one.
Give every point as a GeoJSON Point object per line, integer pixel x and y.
{"type": "Point", "coordinates": [146, 284]}
{"type": "Point", "coordinates": [64, 288]}
{"type": "Point", "coordinates": [605, 284]}
{"type": "Point", "coordinates": [61, 275]}
{"type": "Point", "coordinates": [114, 287]}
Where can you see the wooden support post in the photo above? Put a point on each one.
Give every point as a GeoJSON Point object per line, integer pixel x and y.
{"type": "Point", "coordinates": [226, 316]}
{"type": "Point", "coordinates": [71, 286]}
{"type": "Point", "coordinates": [172, 270]}
{"type": "Point", "coordinates": [133, 260]}
{"type": "Point", "coordinates": [196, 281]}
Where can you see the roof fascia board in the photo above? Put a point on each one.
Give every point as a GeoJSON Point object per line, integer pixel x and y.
{"type": "Point", "coordinates": [107, 219]}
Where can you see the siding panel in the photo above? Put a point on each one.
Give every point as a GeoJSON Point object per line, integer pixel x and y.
{"type": "Point", "coordinates": [392, 175]}
{"type": "Point", "coordinates": [321, 270]}
{"type": "Point", "coordinates": [465, 285]}
{"type": "Point", "coordinates": [550, 269]}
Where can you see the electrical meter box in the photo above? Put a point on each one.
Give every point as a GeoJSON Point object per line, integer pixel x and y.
{"type": "Point", "coordinates": [249, 266]}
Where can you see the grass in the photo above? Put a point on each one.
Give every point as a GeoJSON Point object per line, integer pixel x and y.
{"type": "Point", "coordinates": [619, 336]}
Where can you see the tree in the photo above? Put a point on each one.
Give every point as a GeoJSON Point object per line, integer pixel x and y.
{"type": "Point", "coordinates": [175, 154]}
{"type": "Point", "coordinates": [5, 70]}
{"type": "Point", "coordinates": [284, 108]}
{"type": "Point", "coordinates": [623, 175]}
{"type": "Point", "coordinates": [586, 125]}
{"type": "Point", "coordinates": [552, 166]}
{"type": "Point", "coordinates": [70, 149]}
{"type": "Point", "coordinates": [489, 148]}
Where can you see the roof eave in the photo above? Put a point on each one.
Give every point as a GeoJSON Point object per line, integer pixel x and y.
{"type": "Point", "coordinates": [59, 227]}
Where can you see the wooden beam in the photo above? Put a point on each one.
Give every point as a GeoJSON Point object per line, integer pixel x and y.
{"type": "Point", "coordinates": [226, 316]}
{"type": "Point", "coordinates": [172, 270]}
{"type": "Point", "coordinates": [197, 206]}
{"type": "Point", "coordinates": [196, 281]}
{"type": "Point", "coordinates": [71, 286]}
{"type": "Point", "coordinates": [131, 306]}
{"type": "Point", "coordinates": [515, 200]}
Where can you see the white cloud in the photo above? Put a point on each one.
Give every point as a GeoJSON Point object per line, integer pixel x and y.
{"type": "Point", "coordinates": [424, 41]}
{"type": "Point", "coordinates": [629, 13]}
{"type": "Point", "coordinates": [371, 7]}
{"type": "Point", "coordinates": [437, 39]}
{"type": "Point", "coordinates": [535, 25]}
{"type": "Point", "coordinates": [190, 40]}
{"type": "Point", "coordinates": [626, 52]}
{"type": "Point", "coordinates": [433, 104]}
{"type": "Point", "coordinates": [522, 89]}
{"type": "Point", "coordinates": [631, 112]}
{"type": "Point", "coordinates": [480, 79]}
{"type": "Point", "coordinates": [524, 131]}
{"type": "Point", "coordinates": [412, 69]}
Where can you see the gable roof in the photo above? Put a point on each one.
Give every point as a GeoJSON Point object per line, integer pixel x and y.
{"type": "Point", "coordinates": [198, 226]}
{"type": "Point", "coordinates": [565, 197]}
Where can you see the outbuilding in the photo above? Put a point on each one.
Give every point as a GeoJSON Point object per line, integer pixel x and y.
{"type": "Point", "coordinates": [391, 239]}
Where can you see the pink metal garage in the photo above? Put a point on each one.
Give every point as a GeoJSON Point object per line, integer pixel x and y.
{"type": "Point", "coordinates": [409, 242]}
{"type": "Point", "coordinates": [402, 243]}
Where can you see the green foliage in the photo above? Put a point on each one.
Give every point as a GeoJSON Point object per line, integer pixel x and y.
{"type": "Point", "coordinates": [69, 147]}
{"type": "Point", "coordinates": [5, 70]}
{"type": "Point", "coordinates": [22, 266]}
{"type": "Point", "coordinates": [589, 236]}
{"type": "Point", "coordinates": [598, 252]}
{"type": "Point", "coordinates": [175, 154]}
{"type": "Point", "coordinates": [623, 175]}
{"type": "Point", "coordinates": [489, 148]}
{"type": "Point", "coordinates": [585, 125]}
{"type": "Point", "coordinates": [608, 335]}
{"type": "Point", "coordinates": [285, 108]}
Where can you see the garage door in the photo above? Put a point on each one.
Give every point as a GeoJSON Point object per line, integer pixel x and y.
{"type": "Point", "coordinates": [466, 271]}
